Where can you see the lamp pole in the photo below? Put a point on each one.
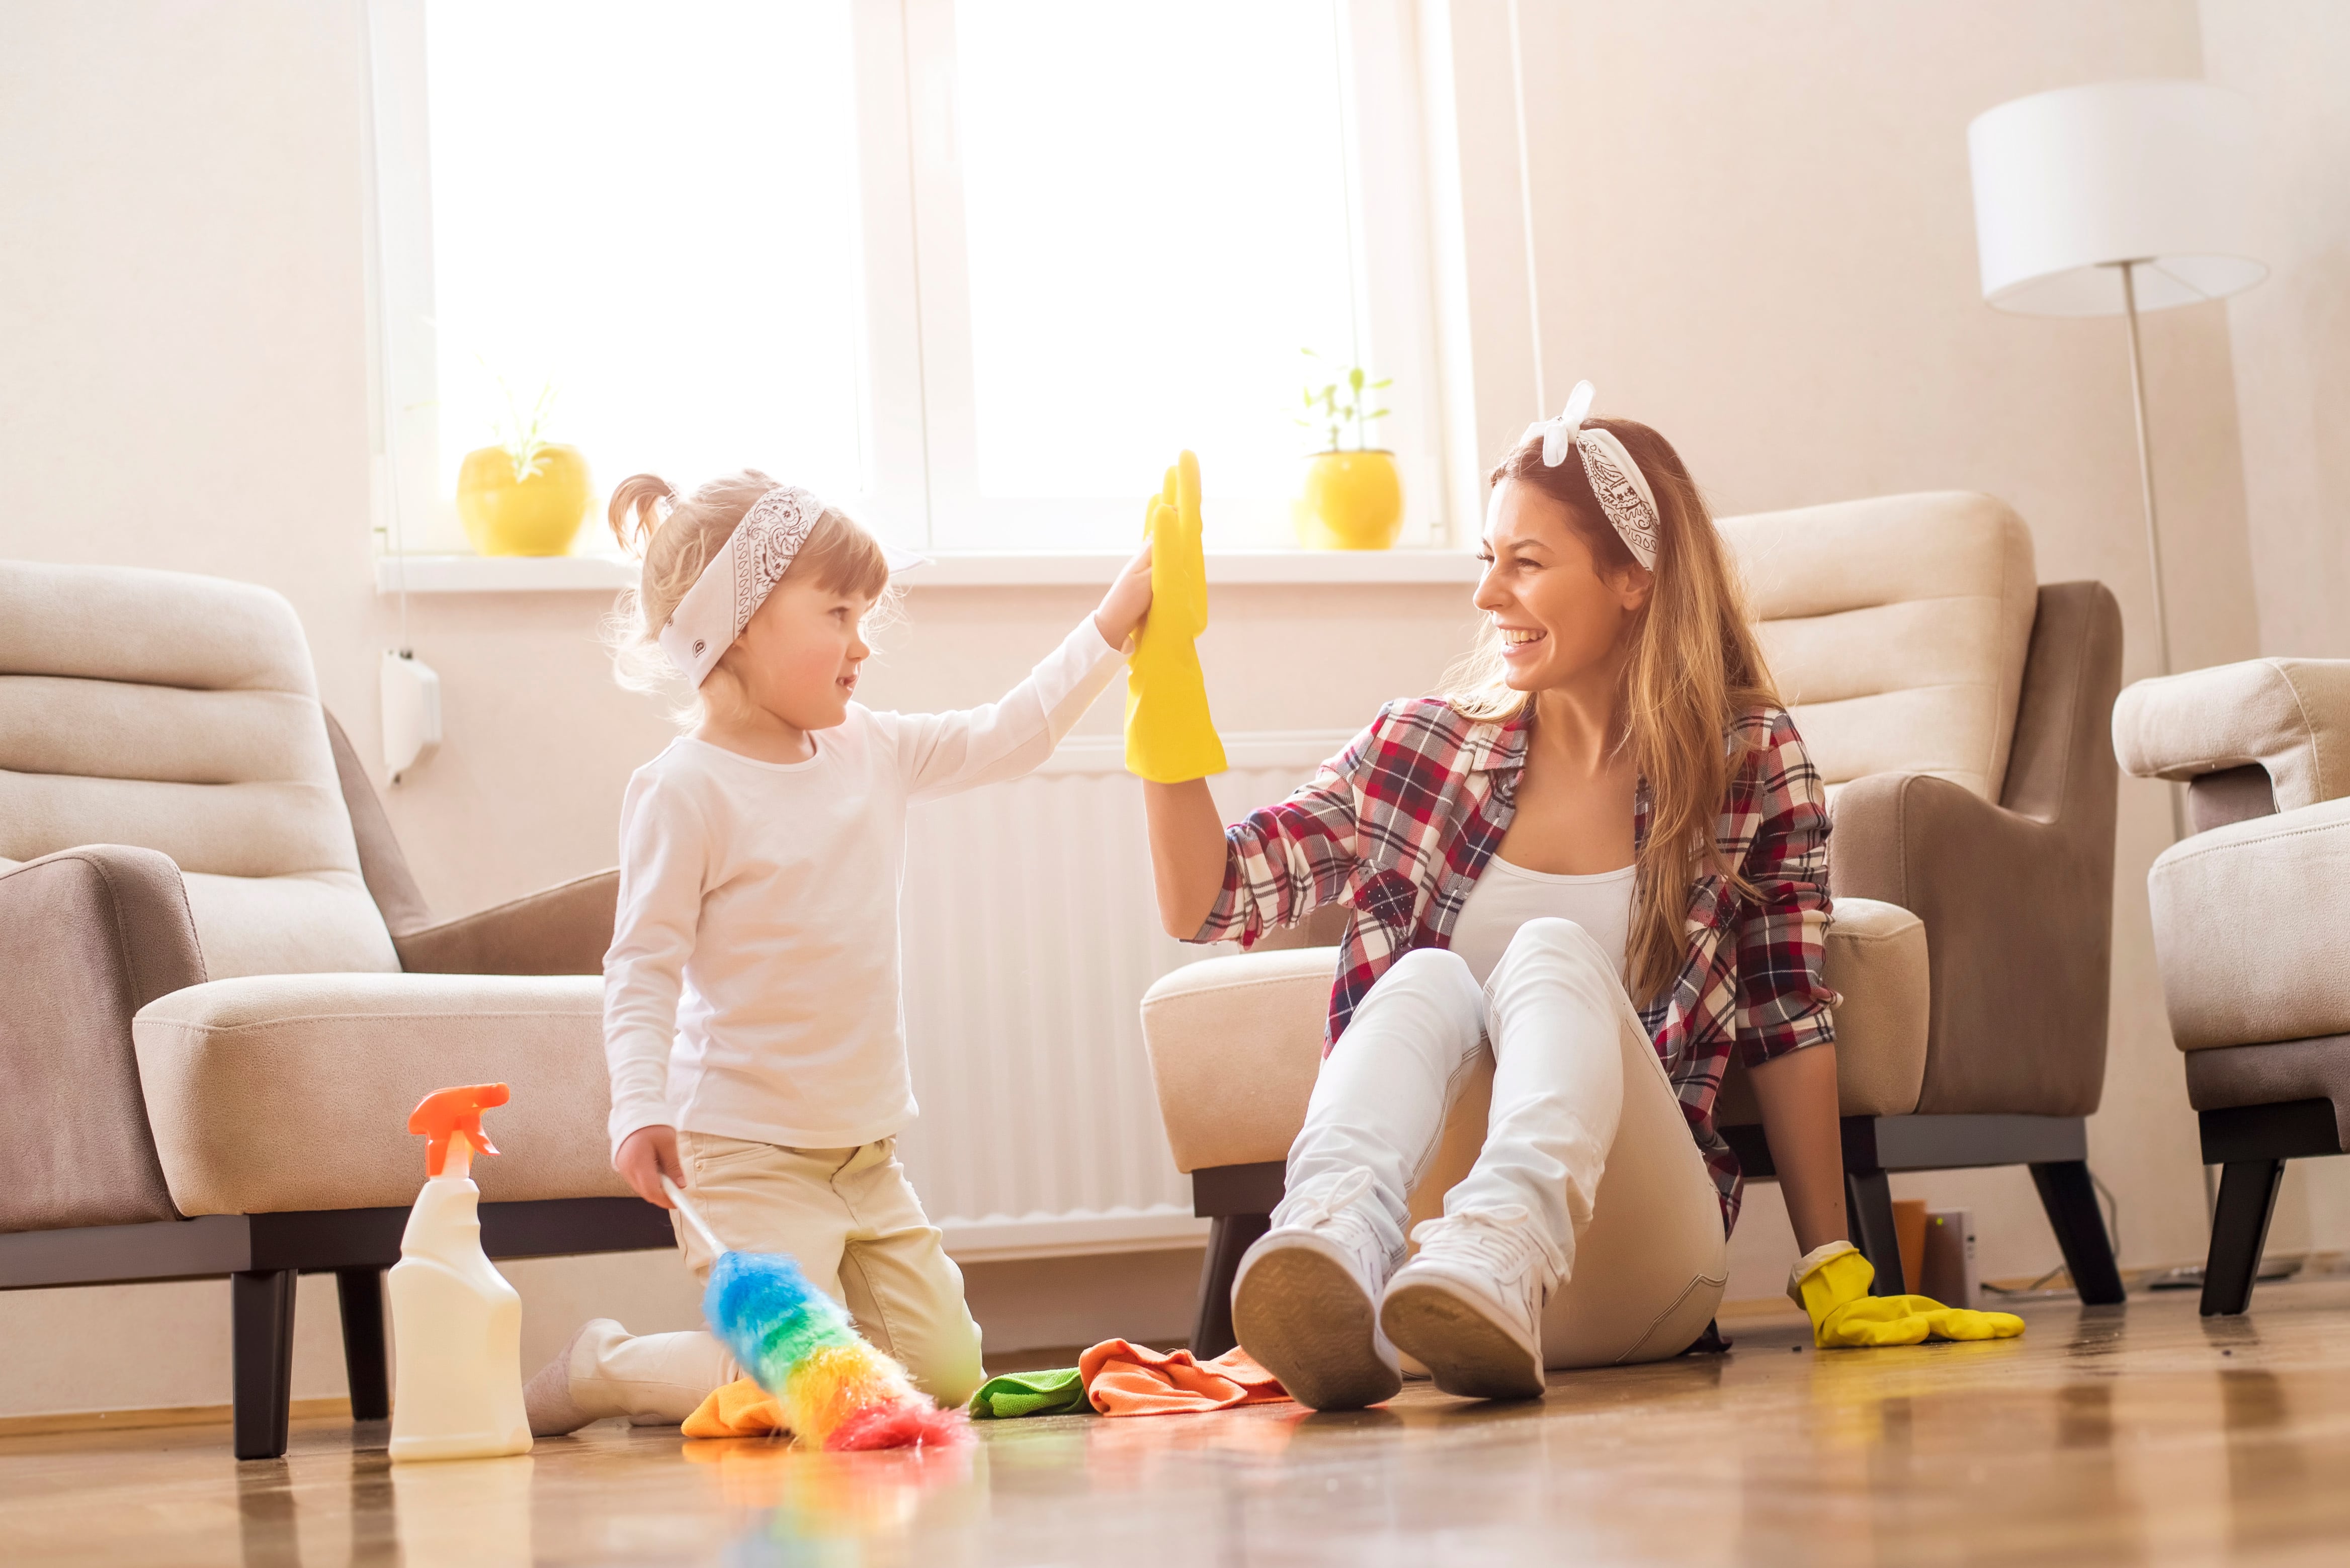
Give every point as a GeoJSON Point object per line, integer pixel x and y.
{"type": "Point", "coordinates": [2146, 491]}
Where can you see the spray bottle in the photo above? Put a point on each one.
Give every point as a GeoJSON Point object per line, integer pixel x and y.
{"type": "Point", "coordinates": [456, 1324]}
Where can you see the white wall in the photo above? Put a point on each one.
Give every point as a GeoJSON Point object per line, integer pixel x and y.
{"type": "Point", "coordinates": [1755, 232]}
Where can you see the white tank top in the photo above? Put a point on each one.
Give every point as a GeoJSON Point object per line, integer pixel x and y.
{"type": "Point", "coordinates": [1507, 896]}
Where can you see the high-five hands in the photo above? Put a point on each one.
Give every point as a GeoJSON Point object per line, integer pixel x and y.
{"type": "Point", "coordinates": [1831, 1285]}
{"type": "Point", "coordinates": [1170, 736]}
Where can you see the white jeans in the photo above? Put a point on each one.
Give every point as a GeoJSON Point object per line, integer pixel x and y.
{"type": "Point", "coordinates": [1584, 1132]}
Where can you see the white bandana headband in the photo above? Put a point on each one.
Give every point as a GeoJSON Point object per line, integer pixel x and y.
{"type": "Point", "coordinates": [1615, 479]}
{"type": "Point", "coordinates": [736, 581]}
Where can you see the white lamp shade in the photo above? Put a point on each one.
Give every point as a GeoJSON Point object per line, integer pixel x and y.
{"type": "Point", "coordinates": [2069, 182]}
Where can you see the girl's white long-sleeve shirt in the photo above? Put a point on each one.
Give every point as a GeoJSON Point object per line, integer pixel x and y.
{"type": "Point", "coordinates": [753, 986]}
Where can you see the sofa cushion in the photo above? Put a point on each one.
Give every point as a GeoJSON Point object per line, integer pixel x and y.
{"type": "Point", "coordinates": [281, 1092]}
{"type": "Point", "coordinates": [1897, 630]}
{"type": "Point", "coordinates": [178, 713]}
{"type": "Point", "coordinates": [1236, 1042]}
{"type": "Point", "coordinates": [2290, 717]}
{"type": "Point", "coordinates": [2248, 922]}
{"type": "Point", "coordinates": [1875, 962]}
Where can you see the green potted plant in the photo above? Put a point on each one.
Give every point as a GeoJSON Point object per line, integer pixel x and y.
{"type": "Point", "coordinates": [526, 495]}
{"type": "Point", "coordinates": [1353, 498]}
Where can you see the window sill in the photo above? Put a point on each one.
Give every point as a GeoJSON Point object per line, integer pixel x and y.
{"type": "Point", "coordinates": [608, 574]}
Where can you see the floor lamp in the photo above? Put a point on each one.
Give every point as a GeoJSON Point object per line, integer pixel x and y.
{"type": "Point", "coordinates": [2109, 201]}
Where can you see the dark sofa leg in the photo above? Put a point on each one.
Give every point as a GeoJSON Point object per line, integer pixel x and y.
{"type": "Point", "coordinates": [1228, 1235]}
{"type": "Point", "coordinates": [2070, 1198]}
{"type": "Point", "coordinates": [2240, 1230]}
{"type": "Point", "coordinates": [261, 1343]}
{"type": "Point", "coordinates": [1869, 1202]}
{"type": "Point", "coordinates": [360, 1293]}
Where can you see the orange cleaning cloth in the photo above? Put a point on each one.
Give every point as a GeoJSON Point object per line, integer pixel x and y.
{"type": "Point", "coordinates": [741, 1409]}
{"type": "Point", "coordinates": [1123, 1378]}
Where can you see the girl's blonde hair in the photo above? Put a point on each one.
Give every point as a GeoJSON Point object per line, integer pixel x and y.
{"type": "Point", "coordinates": [677, 542]}
{"type": "Point", "coordinates": [1695, 668]}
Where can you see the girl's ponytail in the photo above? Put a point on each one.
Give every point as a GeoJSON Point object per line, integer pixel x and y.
{"type": "Point", "coordinates": [633, 510]}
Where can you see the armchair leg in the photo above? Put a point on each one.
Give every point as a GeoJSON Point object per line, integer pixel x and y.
{"type": "Point", "coordinates": [1228, 1235]}
{"type": "Point", "coordinates": [2240, 1230]}
{"type": "Point", "coordinates": [1868, 1204]}
{"type": "Point", "coordinates": [359, 1292]}
{"type": "Point", "coordinates": [261, 1328]}
{"type": "Point", "coordinates": [2070, 1201]}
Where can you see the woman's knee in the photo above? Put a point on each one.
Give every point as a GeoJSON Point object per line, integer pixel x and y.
{"type": "Point", "coordinates": [1553, 943]}
{"type": "Point", "coordinates": [1437, 969]}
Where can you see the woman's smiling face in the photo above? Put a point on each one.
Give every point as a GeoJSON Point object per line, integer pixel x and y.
{"type": "Point", "coordinates": [1559, 613]}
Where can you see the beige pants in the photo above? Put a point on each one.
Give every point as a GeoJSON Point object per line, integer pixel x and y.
{"type": "Point", "coordinates": [851, 1219]}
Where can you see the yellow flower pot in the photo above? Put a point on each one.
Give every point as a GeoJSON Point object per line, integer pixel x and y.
{"type": "Point", "coordinates": [537, 514]}
{"type": "Point", "coordinates": [1353, 501]}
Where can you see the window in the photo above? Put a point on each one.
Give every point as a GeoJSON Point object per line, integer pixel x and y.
{"type": "Point", "coordinates": [973, 268]}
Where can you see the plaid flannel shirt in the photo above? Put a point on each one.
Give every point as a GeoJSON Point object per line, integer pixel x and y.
{"type": "Point", "coordinates": [1399, 825]}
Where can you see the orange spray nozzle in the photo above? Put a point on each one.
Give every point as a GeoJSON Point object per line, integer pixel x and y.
{"type": "Point", "coordinates": [446, 1111]}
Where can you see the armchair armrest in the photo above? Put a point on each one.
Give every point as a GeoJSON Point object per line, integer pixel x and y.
{"type": "Point", "coordinates": [88, 937]}
{"type": "Point", "coordinates": [1235, 1044]}
{"type": "Point", "coordinates": [2017, 898]}
{"type": "Point", "coordinates": [561, 930]}
{"type": "Point", "coordinates": [2290, 717]}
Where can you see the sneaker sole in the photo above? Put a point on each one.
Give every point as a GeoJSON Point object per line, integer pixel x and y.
{"type": "Point", "coordinates": [1304, 1319]}
{"type": "Point", "coordinates": [1466, 1351]}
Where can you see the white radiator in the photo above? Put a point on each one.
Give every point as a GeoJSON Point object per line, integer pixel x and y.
{"type": "Point", "coordinates": [1031, 934]}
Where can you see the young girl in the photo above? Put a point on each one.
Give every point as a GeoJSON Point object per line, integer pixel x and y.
{"type": "Point", "coordinates": [1604, 857]}
{"type": "Point", "coordinates": [752, 1016]}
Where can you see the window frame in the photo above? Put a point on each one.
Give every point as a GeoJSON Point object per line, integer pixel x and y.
{"type": "Point", "coordinates": [915, 381]}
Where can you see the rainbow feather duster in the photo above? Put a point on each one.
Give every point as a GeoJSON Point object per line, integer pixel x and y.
{"type": "Point", "coordinates": [836, 1391]}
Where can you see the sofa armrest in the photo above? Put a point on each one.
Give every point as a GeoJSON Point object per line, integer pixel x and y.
{"type": "Point", "coordinates": [88, 937]}
{"type": "Point", "coordinates": [1235, 1044]}
{"type": "Point", "coordinates": [2290, 717]}
{"type": "Point", "coordinates": [563, 930]}
{"type": "Point", "coordinates": [2017, 898]}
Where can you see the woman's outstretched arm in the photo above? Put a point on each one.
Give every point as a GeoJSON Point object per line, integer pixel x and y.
{"type": "Point", "coordinates": [1797, 1093]}
{"type": "Point", "coordinates": [1187, 853]}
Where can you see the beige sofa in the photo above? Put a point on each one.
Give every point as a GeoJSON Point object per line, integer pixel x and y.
{"type": "Point", "coordinates": [2249, 911]}
{"type": "Point", "coordinates": [1957, 710]}
{"type": "Point", "coordinates": [224, 994]}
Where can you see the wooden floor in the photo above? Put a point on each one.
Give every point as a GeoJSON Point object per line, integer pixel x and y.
{"type": "Point", "coordinates": [2139, 1434]}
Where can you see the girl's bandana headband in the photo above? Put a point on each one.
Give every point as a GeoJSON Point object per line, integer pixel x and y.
{"type": "Point", "coordinates": [737, 580]}
{"type": "Point", "coordinates": [1615, 479]}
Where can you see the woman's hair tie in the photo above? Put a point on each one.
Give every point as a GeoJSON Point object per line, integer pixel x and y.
{"type": "Point", "coordinates": [1622, 489]}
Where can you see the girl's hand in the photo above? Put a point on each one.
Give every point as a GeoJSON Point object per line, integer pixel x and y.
{"type": "Point", "coordinates": [646, 1156]}
{"type": "Point", "coordinates": [1127, 602]}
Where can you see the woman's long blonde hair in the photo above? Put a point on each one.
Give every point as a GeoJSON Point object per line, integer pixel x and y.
{"type": "Point", "coordinates": [1695, 668]}
{"type": "Point", "coordinates": [678, 541]}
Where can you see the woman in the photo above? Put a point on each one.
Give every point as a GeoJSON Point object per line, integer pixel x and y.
{"type": "Point", "coordinates": [1603, 856]}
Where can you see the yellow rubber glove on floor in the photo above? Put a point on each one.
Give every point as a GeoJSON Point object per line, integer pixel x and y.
{"type": "Point", "coordinates": [1831, 1284]}
{"type": "Point", "coordinates": [1169, 736]}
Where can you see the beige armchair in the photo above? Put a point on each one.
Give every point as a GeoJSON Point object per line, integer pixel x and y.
{"type": "Point", "coordinates": [1957, 710]}
{"type": "Point", "coordinates": [224, 993]}
{"type": "Point", "coordinates": [2249, 910]}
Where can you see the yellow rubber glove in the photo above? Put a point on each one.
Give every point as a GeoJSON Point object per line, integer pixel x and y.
{"type": "Point", "coordinates": [1169, 736]}
{"type": "Point", "coordinates": [1831, 1284]}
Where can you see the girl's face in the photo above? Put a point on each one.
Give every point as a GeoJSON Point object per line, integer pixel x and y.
{"type": "Point", "coordinates": [799, 655]}
{"type": "Point", "coordinates": [1559, 614]}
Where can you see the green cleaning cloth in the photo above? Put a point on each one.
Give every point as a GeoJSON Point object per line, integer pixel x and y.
{"type": "Point", "coordinates": [1056, 1393]}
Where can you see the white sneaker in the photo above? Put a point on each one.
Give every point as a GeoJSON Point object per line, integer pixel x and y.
{"type": "Point", "coordinates": [1469, 1306]}
{"type": "Point", "coordinates": [1306, 1301]}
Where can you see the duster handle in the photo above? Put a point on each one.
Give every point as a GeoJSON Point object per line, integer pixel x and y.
{"type": "Point", "coordinates": [694, 1218]}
